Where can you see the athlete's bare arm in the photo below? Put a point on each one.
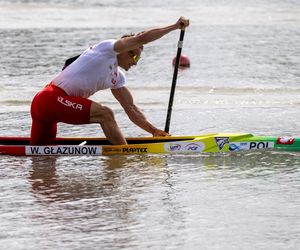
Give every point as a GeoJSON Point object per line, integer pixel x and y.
{"type": "Point", "coordinates": [133, 42]}
{"type": "Point", "coordinates": [125, 98]}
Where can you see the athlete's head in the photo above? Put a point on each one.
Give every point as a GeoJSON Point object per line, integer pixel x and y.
{"type": "Point", "coordinates": [131, 57]}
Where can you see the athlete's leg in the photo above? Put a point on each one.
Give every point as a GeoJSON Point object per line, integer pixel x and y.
{"type": "Point", "coordinates": [77, 110]}
{"type": "Point", "coordinates": [52, 105]}
{"type": "Point", "coordinates": [105, 116]}
{"type": "Point", "coordinates": [42, 133]}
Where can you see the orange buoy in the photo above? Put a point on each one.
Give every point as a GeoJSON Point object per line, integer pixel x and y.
{"type": "Point", "coordinates": [184, 61]}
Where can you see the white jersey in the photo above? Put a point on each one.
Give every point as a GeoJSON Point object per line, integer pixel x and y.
{"type": "Point", "coordinates": [95, 69]}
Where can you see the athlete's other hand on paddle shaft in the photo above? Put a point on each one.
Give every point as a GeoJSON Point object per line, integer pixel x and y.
{"type": "Point", "coordinates": [182, 23]}
{"type": "Point", "coordinates": [65, 99]}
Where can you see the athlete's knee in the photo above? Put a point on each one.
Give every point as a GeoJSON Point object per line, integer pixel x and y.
{"type": "Point", "coordinates": [108, 114]}
{"type": "Point", "coordinates": [100, 113]}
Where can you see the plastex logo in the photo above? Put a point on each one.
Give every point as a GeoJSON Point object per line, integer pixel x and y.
{"type": "Point", "coordinates": [221, 142]}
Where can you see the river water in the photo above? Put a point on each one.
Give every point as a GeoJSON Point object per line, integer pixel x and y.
{"type": "Point", "coordinates": [244, 77]}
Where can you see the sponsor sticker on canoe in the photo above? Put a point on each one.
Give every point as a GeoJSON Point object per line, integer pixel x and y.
{"type": "Point", "coordinates": [63, 150]}
{"type": "Point", "coordinates": [184, 147]}
{"type": "Point", "coordinates": [285, 140]}
{"type": "Point", "coordinates": [238, 146]}
{"type": "Point", "coordinates": [112, 150]}
{"type": "Point", "coordinates": [135, 150]}
{"type": "Point", "coordinates": [221, 142]}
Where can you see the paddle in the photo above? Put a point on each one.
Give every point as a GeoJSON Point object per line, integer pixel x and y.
{"type": "Point", "coordinates": [172, 93]}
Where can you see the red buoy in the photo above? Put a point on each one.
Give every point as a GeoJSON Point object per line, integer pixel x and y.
{"type": "Point", "coordinates": [184, 61]}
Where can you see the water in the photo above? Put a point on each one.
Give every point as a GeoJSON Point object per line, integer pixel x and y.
{"type": "Point", "coordinates": [244, 77]}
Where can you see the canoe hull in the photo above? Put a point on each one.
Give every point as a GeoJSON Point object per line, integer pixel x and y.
{"type": "Point", "coordinates": [210, 143]}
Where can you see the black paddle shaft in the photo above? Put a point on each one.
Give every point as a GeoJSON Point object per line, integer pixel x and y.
{"type": "Point", "coordinates": [172, 93]}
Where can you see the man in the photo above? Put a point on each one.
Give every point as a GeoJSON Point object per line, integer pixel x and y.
{"type": "Point", "coordinates": [65, 99]}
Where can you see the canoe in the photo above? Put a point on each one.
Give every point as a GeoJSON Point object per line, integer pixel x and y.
{"type": "Point", "coordinates": [208, 143]}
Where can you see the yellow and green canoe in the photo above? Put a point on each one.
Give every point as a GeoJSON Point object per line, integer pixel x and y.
{"type": "Point", "coordinates": [208, 143]}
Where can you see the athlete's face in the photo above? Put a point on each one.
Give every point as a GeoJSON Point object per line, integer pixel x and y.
{"type": "Point", "coordinates": [129, 58]}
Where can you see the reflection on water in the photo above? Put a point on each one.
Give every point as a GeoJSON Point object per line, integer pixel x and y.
{"type": "Point", "coordinates": [101, 179]}
{"type": "Point", "coordinates": [155, 200]}
{"type": "Point", "coordinates": [102, 197]}
{"type": "Point", "coordinates": [109, 176]}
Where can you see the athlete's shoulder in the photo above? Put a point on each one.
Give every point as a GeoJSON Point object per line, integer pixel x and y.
{"type": "Point", "coordinates": [106, 45]}
{"type": "Point", "coordinates": [121, 80]}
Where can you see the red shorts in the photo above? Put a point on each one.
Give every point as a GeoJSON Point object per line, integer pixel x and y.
{"type": "Point", "coordinates": [53, 105]}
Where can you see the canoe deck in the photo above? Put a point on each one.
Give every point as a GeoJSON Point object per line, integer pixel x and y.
{"type": "Point", "coordinates": [95, 141]}
{"type": "Point", "coordinates": [208, 143]}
